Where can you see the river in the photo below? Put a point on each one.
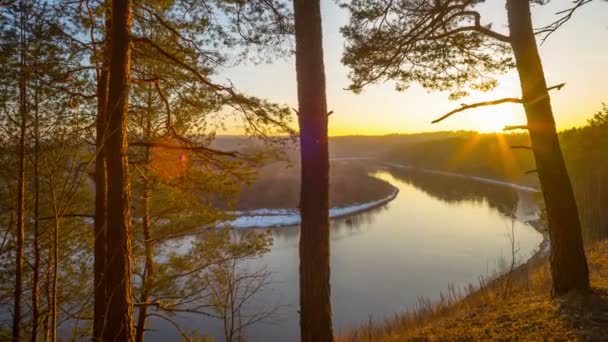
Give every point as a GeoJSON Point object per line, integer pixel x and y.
{"type": "Point", "coordinates": [439, 230]}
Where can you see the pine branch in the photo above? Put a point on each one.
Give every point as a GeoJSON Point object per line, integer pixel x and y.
{"type": "Point", "coordinates": [477, 27]}
{"type": "Point", "coordinates": [566, 15]}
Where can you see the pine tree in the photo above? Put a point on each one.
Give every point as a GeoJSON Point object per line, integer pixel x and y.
{"type": "Point", "coordinates": [444, 46]}
{"type": "Point", "coordinates": [315, 293]}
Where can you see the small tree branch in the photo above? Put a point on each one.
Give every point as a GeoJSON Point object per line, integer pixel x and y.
{"type": "Point", "coordinates": [521, 147]}
{"type": "Point", "coordinates": [477, 27]}
{"type": "Point", "coordinates": [186, 66]}
{"type": "Point", "coordinates": [45, 218]}
{"type": "Point", "coordinates": [511, 128]}
{"type": "Point", "coordinates": [184, 148]}
{"type": "Point", "coordinates": [566, 15]}
{"type": "Point", "coordinates": [478, 104]}
{"type": "Point", "coordinates": [531, 171]}
{"type": "Point", "coordinates": [556, 87]}
{"type": "Point", "coordinates": [496, 102]}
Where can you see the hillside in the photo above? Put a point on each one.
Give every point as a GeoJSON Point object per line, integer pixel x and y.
{"type": "Point", "coordinates": [278, 186]}
{"type": "Point", "coordinates": [515, 307]}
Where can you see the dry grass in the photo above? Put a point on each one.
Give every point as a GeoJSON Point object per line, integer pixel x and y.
{"type": "Point", "coordinates": [514, 307]}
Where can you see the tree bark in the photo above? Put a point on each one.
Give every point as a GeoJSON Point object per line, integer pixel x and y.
{"type": "Point", "coordinates": [119, 322]}
{"type": "Point", "coordinates": [36, 266]}
{"type": "Point", "coordinates": [149, 266]}
{"type": "Point", "coordinates": [47, 286]}
{"type": "Point", "coordinates": [100, 239]}
{"type": "Point", "coordinates": [55, 257]}
{"type": "Point", "coordinates": [315, 292]}
{"type": "Point", "coordinates": [21, 183]}
{"type": "Point", "coordinates": [568, 262]}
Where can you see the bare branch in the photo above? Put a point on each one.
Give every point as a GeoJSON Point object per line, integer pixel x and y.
{"type": "Point", "coordinates": [556, 87]}
{"type": "Point", "coordinates": [477, 27]}
{"type": "Point", "coordinates": [497, 102]}
{"type": "Point", "coordinates": [184, 148]}
{"type": "Point", "coordinates": [566, 15]}
{"type": "Point", "coordinates": [67, 215]}
{"type": "Point", "coordinates": [511, 128]}
{"type": "Point", "coordinates": [478, 104]}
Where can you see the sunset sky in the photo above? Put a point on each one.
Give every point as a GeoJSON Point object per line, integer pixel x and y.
{"type": "Point", "coordinates": [577, 55]}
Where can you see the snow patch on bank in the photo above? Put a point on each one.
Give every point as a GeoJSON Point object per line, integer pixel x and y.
{"type": "Point", "coordinates": [453, 174]}
{"type": "Point", "coordinates": [262, 218]}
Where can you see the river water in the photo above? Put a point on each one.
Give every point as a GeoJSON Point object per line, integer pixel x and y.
{"type": "Point", "coordinates": [439, 230]}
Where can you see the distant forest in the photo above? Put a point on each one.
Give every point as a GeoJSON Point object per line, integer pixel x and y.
{"type": "Point", "coordinates": [506, 157]}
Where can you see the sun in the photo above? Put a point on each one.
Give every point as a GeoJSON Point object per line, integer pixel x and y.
{"type": "Point", "coordinates": [493, 120]}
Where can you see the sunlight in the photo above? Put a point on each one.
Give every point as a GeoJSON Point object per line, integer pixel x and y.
{"type": "Point", "coordinates": [168, 163]}
{"type": "Point", "coordinates": [494, 119]}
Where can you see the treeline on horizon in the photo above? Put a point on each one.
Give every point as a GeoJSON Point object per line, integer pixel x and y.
{"type": "Point", "coordinates": [502, 156]}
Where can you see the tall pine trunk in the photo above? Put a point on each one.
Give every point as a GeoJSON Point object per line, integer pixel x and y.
{"type": "Point", "coordinates": [149, 266]}
{"type": "Point", "coordinates": [315, 294]}
{"type": "Point", "coordinates": [21, 182]}
{"type": "Point", "coordinates": [36, 265]}
{"type": "Point", "coordinates": [46, 323]}
{"type": "Point", "coordinates": [119, 315]}
{"type": "Point", "coordinates": [100, 244]}
{"type": "Point", "coordinates": [568, 261]}
{"type": "Point", "coordinates": [55, 257]}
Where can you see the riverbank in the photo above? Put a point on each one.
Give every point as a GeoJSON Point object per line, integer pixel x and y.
{"type": "Point", "coordinates": [271, 218]}
{"type": "Point", "coordinates": [543, 248]}
{"type": "Point", "coordinates": [516, 306]}
{"type": "Point", "coordinates": [461, 175]}
{"type": "Point", "coordinates": [272, 200]}
{"type": "Point", "coordinates": [352, 188]}
{"type": "Point", "coordinates": [277, 186]}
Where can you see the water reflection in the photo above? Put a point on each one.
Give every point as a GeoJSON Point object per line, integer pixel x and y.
{"type": "Point", "coordinates": [439, 230]}
{"type": "Point", "coordinates": [456, 190]}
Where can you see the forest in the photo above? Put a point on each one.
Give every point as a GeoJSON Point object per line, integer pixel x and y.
{"type": "Point", "coordinates": [491, 155]}
{"type": "Point", "coordinates": [123, 176]}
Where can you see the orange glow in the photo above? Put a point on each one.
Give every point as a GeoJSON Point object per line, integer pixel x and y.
{"type": "Point", "coordinates": [461, 155]}
{"type": "Point", "coordinates": [509, 162]}
{"type": "Point", "coordinates": [169, 163]}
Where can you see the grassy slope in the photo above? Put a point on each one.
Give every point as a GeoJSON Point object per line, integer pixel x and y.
{"type": "Point", "coordinates": [515, 307]}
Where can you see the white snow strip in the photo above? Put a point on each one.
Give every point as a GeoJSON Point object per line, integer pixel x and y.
{"type": "Point", "coordinates": [479, 179]}
{"type": "Point", "coordinates": [262, 218]}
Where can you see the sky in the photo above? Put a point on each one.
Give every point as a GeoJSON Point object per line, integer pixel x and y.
{"type": "Point", "coordinates": [577, 54]}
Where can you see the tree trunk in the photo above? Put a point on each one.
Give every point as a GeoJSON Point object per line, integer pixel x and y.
{"type": "Point", "coordinates": [119, 322]}
{"type": "Point", "coordinates": [47, 322]}
{"type": "Point", "coordinates": [55, 281]}
{"type": "Point", "coordinates": [149, 266]}
{"type": "Point", "coordinates": [100, 243]}
{"type": "Point", "coordinates": [568, 262]}
{"type": "Point", "coordinates": [36, 266]}
{"type": "Point", "coordinates": [315, 294]}
{"type": "Point", "coordinates": [21, 186]}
